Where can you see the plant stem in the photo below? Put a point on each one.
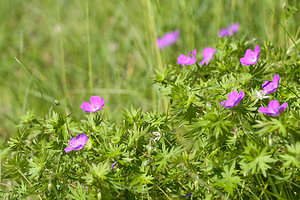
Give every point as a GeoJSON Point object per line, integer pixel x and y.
{"type": "Point", "coordinates": [62, 59]}
{"type": "Point", "coordinates": [89, 47]}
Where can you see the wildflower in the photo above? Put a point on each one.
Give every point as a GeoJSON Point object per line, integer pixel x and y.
{"type": "Point", "coordinates": [187, 195]}
{"type": "Point", "coordinates": [230, 30]}
{"type": "Point", "coordinates": [77, 143]}
{"type": "Point", "coordinates": [224, 32]}
{"type": "Point", "coordinates": [233, 28]}
{"type": "Point", "coordinates": [187, 60]}
{"type": "Point", "coordinates": [95, 105]}
{"type": "Point", "coordinates": [273, 108]}
{"type": "Point", "coordinates": [208, 54]}
{"type": "Point", "coordinates": [271, 86]}
{"type": "Point", "coordinates": [233, 99]}
{"type": "Point", "coordinates": [113, 165]}
{"type": "Point", "coordinates": [168, 39]}
{"type": "Point", "coordinates": [250, 57]}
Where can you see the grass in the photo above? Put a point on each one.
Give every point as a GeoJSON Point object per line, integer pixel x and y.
{"type": "Point", "coordinates": [69, 50]}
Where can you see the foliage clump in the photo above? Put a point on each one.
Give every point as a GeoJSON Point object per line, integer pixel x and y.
{"type": "Point", "coordinates": [198, 149]}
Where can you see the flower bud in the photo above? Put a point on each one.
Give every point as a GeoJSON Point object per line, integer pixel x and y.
{"type": "Point", "coordinates": [99, 196]}
{"type": "Point", "coordinates": [56, 102]}
{"type": "Point", "coordinates": [49, 187]}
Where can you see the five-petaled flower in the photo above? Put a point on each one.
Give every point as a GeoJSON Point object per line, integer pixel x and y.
{"type": "Point", "coordinates": [208, 54]}
{"type": "Point", "coordinates": [271, 86]}
{"type": "Point", "coordinates": [230, 30]}
{"type": "Point", "coordinates": [168, 39]}
{"type": "Point", "coordinates": [273, 108]}
{"type": "Point", "coordinates": [233, 99]}
{"type": "Point", "coordinates": [187, 60]}
{"type": "Point", "coordinates": [95, 105]}
{"type": "Point", "coordinates": [77, 143]}
{"type": "Point", "coordinates": [250, 57]}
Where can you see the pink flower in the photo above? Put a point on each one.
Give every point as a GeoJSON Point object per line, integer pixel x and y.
{"type": "Point", "coordinates": [250, 57]}
{"type": "Point", "coordinates": [168, 39]}
{"type": "Point", "coordinates": [187, 60]}
{"type": "Point", "coordinates": [224, 32]}
{"type": "Point", "coordinates": [95, 105]}
{"type": "Point", "coordinates": [273, 108]}
{"type": "Point", "coordinates": [233, 28]}
{"type": "Point", "coordinates": [208, 54]}
{"type": "Point", "coordinates": [230, 30]}
{"type": "Point", "coordinates": [77, 143]}
{"type": "Point", "coordinates": [233, 99]}
{"type": "Point", "coordinates": [271, 86]}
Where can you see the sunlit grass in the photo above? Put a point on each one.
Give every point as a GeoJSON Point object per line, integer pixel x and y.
{"type": "Point", "coordinates": [74, 49]}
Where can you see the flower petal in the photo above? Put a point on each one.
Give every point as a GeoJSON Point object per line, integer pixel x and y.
{"type": "Point", "coordinates": [276, 79]}
{"type": "Point", "coordinates": [274, 104]}
{"type": "Point", "coordinates": [113, 165]}
{"type": "Point", "coordinates": [191, 61]}
{"type": "Point", "coordinates": [233, 95]}
{"type": "Point", "coordinates": [249, 53]}
{"type": "Point", "coordinates": [68, 149]}
{"type": "Point", "coordinates": [222, 103]}
{"type": "Point", "coordinates": [194, 53]}
{"type": "Point", "coordinates": [95, 100]}
{"type": "Point", "coordinates": [86, 106]}
{"type": "Point", "coordinates": [223, 32]}
{"type": "Point", "coordinates": [235, 28]}
{"type": "Point", "coordinates": [82, 139]}
{"type": "Point", "coordinates": [202, 62]}
{"type": "Point", "coordinates": [265, 84]}
{"type": "Point", "coordinates": [264, 110]}
{"type": "Point", "coordinates": [241, 95]}
{"type": "Point", "coordinates": [78, 147]}
{"type": "Point", "coordinates": [283, 106]}
{"type": "Point", "coordinates": [256, 50]}
{"type": "Point", "coordinates": [72, 142]}
{"type": "Point", "coordinates": [248, 61]}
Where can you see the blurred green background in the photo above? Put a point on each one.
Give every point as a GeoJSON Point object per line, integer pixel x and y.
{"type": "Point", "coordinates": [69, 50]}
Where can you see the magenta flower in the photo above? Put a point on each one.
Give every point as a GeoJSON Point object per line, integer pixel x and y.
{"type": "Point", "coordinates": [208, 53]}
{"type": "Point", "coordinates": [273, 108]}
{"type": "Point", "coordinates": [233, 99]}
{"type": "Point", "coordinates": [224, 32]}
{"type": "Point", "coordinates": [168, 39]}
{"type": "Point", "coordinates": [95, 105]}
{"type": "Point", "coordinates": [229, 31]}
{"type": "Point", "coordinates": [113, 165]}
{"type": "Point", "coordinates": [187, 60]}
{"type": "Point", "coordinates": [250, 57]}
{"type": "Point", "coordinates": [233, 28]}
{"type": "Point", "coordinates": [271, 86]}
{"type": "Point", "coordinates": [77, 143]}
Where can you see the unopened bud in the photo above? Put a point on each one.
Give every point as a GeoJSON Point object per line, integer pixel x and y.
{"type": "Point", "coordinates": [56, 102]}
{"type": "Point", "coordinates": [99, 196]}
{"type": "Point", "coordinates": [156, 133]}
{"type": "Point", "coordinates": [284, 5]}
{"type": "Point", "coordinates": [49, 187]}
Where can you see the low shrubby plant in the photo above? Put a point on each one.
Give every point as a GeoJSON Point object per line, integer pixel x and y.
{"type": "Point", "coordinates": [228, 133]}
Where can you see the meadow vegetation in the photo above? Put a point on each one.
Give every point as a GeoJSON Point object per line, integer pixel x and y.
{"type": "Point", "coordinates": [162, 133]}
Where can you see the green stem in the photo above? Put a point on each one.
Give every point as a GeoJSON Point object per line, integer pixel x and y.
{"type": "Point", "coordinates": [62, 60]}
{"type": "Point", "coordinates": [89, 47]}
{"type": "Point", "coordinates": [154, 49]}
